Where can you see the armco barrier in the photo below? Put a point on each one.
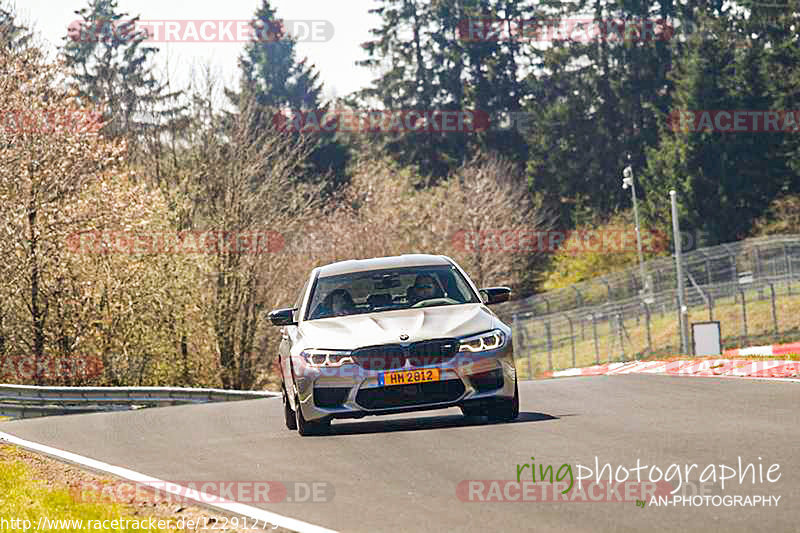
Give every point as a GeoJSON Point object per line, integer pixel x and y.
{"type": "Point", "coordinates": [27, 401]}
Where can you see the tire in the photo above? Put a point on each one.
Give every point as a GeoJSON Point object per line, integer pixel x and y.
{"type": "Point", "coordinates": [506, 410]}
{"type": "Point", "coordinates": [473, 411]}
{"type": "Point", "coordinates": [304, 427]}
{"type": "Point", "coordinates": [288, 412]}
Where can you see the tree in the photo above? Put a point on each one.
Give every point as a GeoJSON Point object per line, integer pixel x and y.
{"type": "Point", "coordinates": [715, 173]}
{"type": "Point", "coordinates": [270, 69]}
{"type": "Point", "coordinates": [596, 102]}
{"type": "Point", "coordinates": [13, 36]}
{"type": "Point", "coordinates": [111, 66]}
{"type": "Point", "coordinates": [70, 290]}
{"type": "Point", "coordinates": [776, 24]}
{"type": "Point", "coordinates": [242, 185]}
{"type": "Point", "coordinates": [52, 157]}
{"type": "Point", "coordinates": [429, 58]}
{"type": "Point", "coordinates": [483, 200]}
{"type": "Point", "coordinates": [277, 81]}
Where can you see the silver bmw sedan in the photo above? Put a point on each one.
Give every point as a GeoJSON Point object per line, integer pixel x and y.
{"type": "Point", "coordinates": [391, 335]}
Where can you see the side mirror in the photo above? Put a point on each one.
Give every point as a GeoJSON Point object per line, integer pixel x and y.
{"type": "Point", "coordinates": [282, 317]}
{"type": "Point", "coordinates": [495, 295]}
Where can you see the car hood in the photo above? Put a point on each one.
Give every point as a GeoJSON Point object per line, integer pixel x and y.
{"type": "Point", "coordinates": [349, 332]}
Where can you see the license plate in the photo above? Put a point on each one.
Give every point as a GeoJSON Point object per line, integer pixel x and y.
{"type": "Point", "coordinates": [407, 377]}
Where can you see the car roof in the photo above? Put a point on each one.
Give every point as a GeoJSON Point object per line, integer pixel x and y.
{"type": "Point", "coordinates": [379, 263]}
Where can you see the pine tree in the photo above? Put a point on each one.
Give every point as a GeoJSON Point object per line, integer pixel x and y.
{"type": "Point", "coordinates": [405, 83]}
{"type": "Point", "coordinates": [723, 179]}
{"type": "Point", "coordinates": [596, 103]}
{"type": "Point", "coordinates": [13, 36]}
{"type": "Point", "coordinates": [428, 61]}
{"type": "Point", "coordinates": [112, 67]}
{"type": "Point", "coordinates": [781, 71]}
{"type": "Point", "coordinates": [270, 68]}
{"type": "Point", "coordinates": [277, 81]}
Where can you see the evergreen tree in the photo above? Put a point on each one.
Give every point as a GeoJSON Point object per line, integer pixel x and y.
{"type": "Point", "coordinates": [112, 67]}
{"type": "Point", "coordinates": [270, 68]}
{"type": "Point", "coordinates": [278, 82]}
{"type": "Point", "coordinates": [434, 55]}
{"type": "Point", "coordinates": [723, 179]}
{"type": "Point", "coordinates": [776, 23]}
{"type": "Point", "coordinates": [399, 51]}
{"type": "Point", "coordinates": [13, 36]}
{"type": "Point", "coordinates": [596, 103]}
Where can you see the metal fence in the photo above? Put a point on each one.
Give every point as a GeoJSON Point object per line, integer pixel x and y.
{"type": "Point", "coordinates": [752, 287]}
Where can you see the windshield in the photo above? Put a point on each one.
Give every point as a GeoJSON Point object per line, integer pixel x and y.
{"type": "Point", "coordinates": [388, 290]}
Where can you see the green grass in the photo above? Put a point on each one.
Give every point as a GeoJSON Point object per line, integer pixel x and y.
{"type": "Point", "coordinates": [664, 332]}
{"type": "Point", "coordinates": [24, 498]}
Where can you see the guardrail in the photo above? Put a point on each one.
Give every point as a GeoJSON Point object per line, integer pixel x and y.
{"type": "Point", "coordinates": [28, 401]}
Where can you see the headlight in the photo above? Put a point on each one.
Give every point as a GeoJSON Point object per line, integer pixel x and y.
{"type": "Point", "coordinates": [326, 357]}
{"type": "Point", "coordinates": [485, 341]}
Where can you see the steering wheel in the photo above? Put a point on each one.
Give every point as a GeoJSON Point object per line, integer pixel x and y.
{"type": "Point", "coordinates": [434, 301]}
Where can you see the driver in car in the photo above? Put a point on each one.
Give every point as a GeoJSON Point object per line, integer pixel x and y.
{"type": "Point", "coordinates": [424, 288]}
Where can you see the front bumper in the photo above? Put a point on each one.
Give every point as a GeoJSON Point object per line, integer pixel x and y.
{"type": "Point", "coordinates": [350, 391]}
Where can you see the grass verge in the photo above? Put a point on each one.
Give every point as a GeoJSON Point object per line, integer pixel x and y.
{"type": "Point", "coordinates": [24, 498]}
{"type": "Point", "coordinates": [34, 486]}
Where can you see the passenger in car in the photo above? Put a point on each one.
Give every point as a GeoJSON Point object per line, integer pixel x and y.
{"type": "Point", "coordinates": [337, 303]}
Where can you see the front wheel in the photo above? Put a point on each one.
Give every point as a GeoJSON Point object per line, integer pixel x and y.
{"type": "Point", "coordinates": [304, 427]}
{"type": "Point", "coordinates": [473, 411]}
{"type": "Point", "coordinates": [288, 412]}
{"type": "Point", "coordinates": [506, 410]}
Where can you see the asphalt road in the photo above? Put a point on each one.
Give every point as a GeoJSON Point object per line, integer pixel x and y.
{"type": "Point", "coordinates": [401, 473]}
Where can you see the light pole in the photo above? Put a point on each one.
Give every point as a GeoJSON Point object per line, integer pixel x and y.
{"type": "Point", "coordinates": [627, 181]}
{"type": "Point", "coordinates": [682, 312]}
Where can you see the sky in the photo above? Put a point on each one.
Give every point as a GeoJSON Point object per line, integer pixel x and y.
{"type": "Point", "coordinates": [334, 59]}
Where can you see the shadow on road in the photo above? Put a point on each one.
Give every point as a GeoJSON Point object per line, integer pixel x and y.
{"type": "Point", "coordinates": [348, 427]}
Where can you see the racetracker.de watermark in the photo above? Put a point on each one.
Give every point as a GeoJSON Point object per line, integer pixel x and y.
{"type": "Point", "coordinates": [49, 120]}
{"type": "Point", "coordinates": [658, 494]}
{"type": "Point", "coordinates": [206, 492]}
{"type": "Point", "coordinates": [382, 121]}
{"type": "Point", "coordinates": [577, 29]}
{"type": "Point", "coordinates": [735, 120]}
{"type": "Point", "coordinates": [203, 31]}
{"type": "Point", "coordinates": [500, 490]}
{"type": "Point", "coordinates": [26, 367]}
{"type": "Point", "coordinates": [502, 240]}
{"type": "Point", "coordinates": [368, 366]}
{"type": "Point", "coordinates": [177, 242]}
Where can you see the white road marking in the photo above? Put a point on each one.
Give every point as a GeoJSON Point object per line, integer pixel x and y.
{"type": "Point", "coordinates": [235, 508]}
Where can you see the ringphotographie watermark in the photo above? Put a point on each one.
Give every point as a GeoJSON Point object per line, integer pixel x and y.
{"type": "Point", "coordinates": [203, 31]}
{"type": "Point", "coordinates": [644, 484]}
{"type": "Point", "coordinates": [382, 121]}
